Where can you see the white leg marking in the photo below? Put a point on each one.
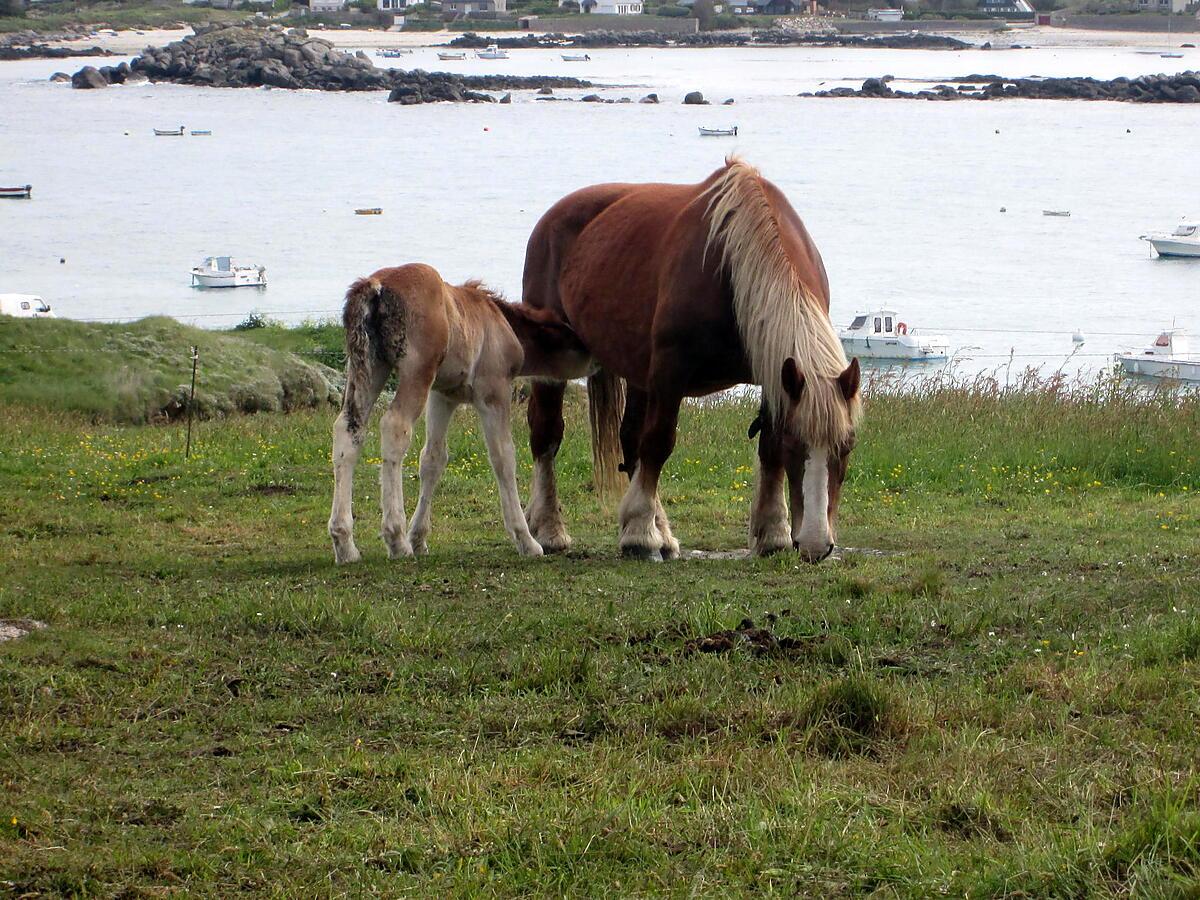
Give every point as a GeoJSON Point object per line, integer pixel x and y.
{"type": "Point", "coordinates": [639, 532]}
{"type": "Point", "coordinates": [544, 511]}
{"type": "Point", "coordinates": [439, 410]}
{"type": "Point", "coordinates": [812, 537]}
{"type": "Point", "coordinates": [497, 430]}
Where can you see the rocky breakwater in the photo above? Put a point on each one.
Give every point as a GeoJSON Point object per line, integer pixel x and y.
{"type": "Point", "coordinates": [239, 56]}
{"type": "Point", "coordinates": [31, 45]}
{"type": "Point", "coordinates": [775, 37]}
{"type": "Point", "coordinates": [1181, 88]}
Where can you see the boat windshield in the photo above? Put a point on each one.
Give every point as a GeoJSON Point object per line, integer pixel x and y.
{"type": "Point", "coordinates": [859, 322]}
{"type": "Point", "coordinates": [1185, 231]}
{"type": "Point", "coordinates": [43, 306]}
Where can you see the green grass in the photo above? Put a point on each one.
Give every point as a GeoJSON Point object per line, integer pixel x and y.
{"type": "Point", "coordinates": [52, 17]}
{"type": "Point", "coordinates": [141, 371]}
{"type": "Point", "coordinates": [1005, 704]}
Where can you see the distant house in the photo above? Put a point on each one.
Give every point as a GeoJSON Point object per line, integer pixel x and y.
{"type": "Point", "coordinates": [618, 8]}
{"type": "Point", "coordinates": [391, 6]}
{"type": "Point", "coordinates": [466, 7]}
{"type": "Point", "coordinates": [1172, 6]}
{"type": "Point", "coordinates": [885, 15]}
{"type": "Point", "coordinates": [326, 6]}
{"type": "Point", "coordinates": [767, 7]}
{"type": "Point", "coordinates": [1006, 7]}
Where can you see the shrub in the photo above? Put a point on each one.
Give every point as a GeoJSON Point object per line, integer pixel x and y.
{"type": "Point", "coordinates": [671, 12]}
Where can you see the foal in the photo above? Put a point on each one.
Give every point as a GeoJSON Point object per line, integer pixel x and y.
{"type": "Point", "coordinates": [446, 345]}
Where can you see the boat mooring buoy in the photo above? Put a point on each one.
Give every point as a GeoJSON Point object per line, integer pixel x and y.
{"type": "Point", "coordinates": [1004, 209]}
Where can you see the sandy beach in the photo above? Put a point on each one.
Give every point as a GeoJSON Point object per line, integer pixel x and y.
{"type": "Point", "coordinates": [131, 42]}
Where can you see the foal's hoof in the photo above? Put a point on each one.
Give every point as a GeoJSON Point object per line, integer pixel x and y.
{"type": "Point", "coordinates": [639, 552]}
{"type": "Point", "coordinates": [400, 550]}
{"type": "Point", "coordinates": [346, 556]}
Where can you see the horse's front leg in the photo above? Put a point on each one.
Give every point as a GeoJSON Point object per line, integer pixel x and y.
{"type": "Point", "coordinates": [439, 410]}
{"type": "Point", "coordinates": [544, 512]}
{"type": "Point", "coordinates": [493, 404]}
{"type": "Point", "coordinates": [768, 513]}
{"type": "Point", "coordinates": [645, 531]}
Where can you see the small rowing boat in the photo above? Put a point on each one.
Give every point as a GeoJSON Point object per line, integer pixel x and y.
{"type": "Point", "coordinates": [450, 55]}
{"type": "Point", "coordinates": [369, 211]}
{"type": "Point", "coordinates": [575, 57]}
{"type": "Point", "coordinates": [719, 132]}
{"type": "Point", "coordinates": [24, 192]}
{"type": "Point", "coordinates": [169, 132]}
{"type": "Point", "coordinates": [198, 132]}
{"type": "Point", "coordinates": [1064, 213]}
{"type": "Point", "coordinates": [394, 53]}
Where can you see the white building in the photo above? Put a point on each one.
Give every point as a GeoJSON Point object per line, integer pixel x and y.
{"type": "Point", "coordinates": [326, 6]}
{"type": "Point", "coordinates": [618, 8]}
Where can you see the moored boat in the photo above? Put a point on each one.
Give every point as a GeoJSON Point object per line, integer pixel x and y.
{"type": "Point", "coordinates": [24, 192]}
{"type": "Point", "coordinates": [1168, 357]}
{"type": "Point", "coordinates": [169, 132]}
{"type": "Point", "coordinates": [369, 211]}
{"type": "Point", "coordinates": [1063, 213]}
{"type": "Point", "coordinates": [222, 272]}
{"type": "Point", "coordinates": [575, 57]}
{"type": "Point", "coordinates": [393, 52]}
{"type": "Point", "coordinates": [199, 132]}
{"type": "Point", "coordinates": [1183, 241]}
{"type": "Point", "coordinates": [492, 51]}
{"type": "Point", "coordinates": [718, 132]}
{"type": "Point", "coordinates": [447, 54]}
{"type": "Point", "coordinates": [881, 335]}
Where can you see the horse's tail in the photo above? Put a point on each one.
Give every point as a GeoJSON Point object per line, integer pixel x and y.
{"type": "Point", "coordinates": [606, 405]}
{"type": "Point", "coordinates": [364, 349]}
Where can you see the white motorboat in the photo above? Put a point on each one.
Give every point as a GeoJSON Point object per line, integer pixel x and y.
{"type": "Point", "coordinates": [881, 335]}
{"type": "Point", "coordinates": [169, 132]}
{"type": "Point", "coordinates": [449, 54]}
{"type": "Point", "coordinates": [25, 306]}
{"type": "Point", "coordinates": [23, 192]}
{"type": "Point", "coordinates": [222, 272]}
{"type": "Point", "coordinates": [575, 57]}
{"type": "Point", "coordinates": [1183, 241]}
{"type": "Point", "coordinates": [1168, 357]}
{"type": "Point", "coordinates": [394, 52]}
{"type": "Point", "coordinates": [718, 132]}
{"type": "Point", "coordinates": [492, 51]}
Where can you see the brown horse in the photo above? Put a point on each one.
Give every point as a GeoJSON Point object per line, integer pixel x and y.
{"type": "Point", "coordinates": [683, 290]}
{"type": "Point", "coordinates": [446, 345]}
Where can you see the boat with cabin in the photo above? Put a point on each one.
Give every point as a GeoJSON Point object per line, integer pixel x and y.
{"type": "Point", "coordinates": [1168, 357]}
{"type": "Point", "coordinates": [1183, 241]}
{"type": "Point", "coordinates": [25, 306]}
{"type": "Point", "coordinates": [718, 132]}
{"type": "Point", "coordinates": [881, 335]}
{"type": "Point", "coordinates": [223, 272]}
{"type": "Point", "coordinates": [23, 192]}
{"type": "Point", "coordinates": [491, 51]}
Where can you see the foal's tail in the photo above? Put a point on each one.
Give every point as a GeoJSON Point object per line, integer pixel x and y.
{"type": "Point", "coordinates": [364, 350]}
{"type": "Point", "coordinates": [606, 405]}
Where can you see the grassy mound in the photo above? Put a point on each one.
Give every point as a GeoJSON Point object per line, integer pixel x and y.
{"type": "Point", "coordinates": [141, 371]}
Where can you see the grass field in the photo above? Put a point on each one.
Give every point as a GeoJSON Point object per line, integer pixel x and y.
{"type": "Point", "coordinates": [118, 14]}
{"type": "Point", "coordinates": [1006, 703]}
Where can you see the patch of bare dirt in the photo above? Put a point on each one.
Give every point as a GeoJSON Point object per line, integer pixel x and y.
{"type": "Point", "coordinates": [753, 639]}
{"type": "Point", "coordinates": [11, 629]}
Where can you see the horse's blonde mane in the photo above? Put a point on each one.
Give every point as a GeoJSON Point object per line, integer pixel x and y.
{"type": "Point", "coordinates": [778, 316]}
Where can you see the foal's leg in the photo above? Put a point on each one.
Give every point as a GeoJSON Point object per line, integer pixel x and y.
{"type": "Point", "coordinates": [439, 410]}
{"type": "Point", "coordinates": [768, 514]}
{"type": "Point", "coordinates": [492, 403]}
{"type": "Point", "coordinates": [640, 511]}
{"type": "Point", "coordinates": [349, 432]}
{"type": "Point", "coordinates": [395, 432]}
{"type": "Point", "coordinates": [545, 436]}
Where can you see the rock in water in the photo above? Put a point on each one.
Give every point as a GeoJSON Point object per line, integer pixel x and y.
{"type": "Point", "coordinates": [694, 98]}
{"type": "Point", "coordinates": [88, 78]}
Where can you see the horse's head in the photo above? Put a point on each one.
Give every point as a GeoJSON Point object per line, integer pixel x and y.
{"type": "Point", "coordinates": [819, 434]}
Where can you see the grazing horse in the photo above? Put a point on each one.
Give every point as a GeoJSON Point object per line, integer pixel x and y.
{"type": "Point", "coordinates": [683, 290]}
{"type": "Point", "coordinates": [446, 345]}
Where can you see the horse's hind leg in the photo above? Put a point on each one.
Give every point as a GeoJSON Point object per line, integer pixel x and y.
{"type": "Point", "coordinates": [545, 436]}
{"type": "Point", "coordinates": [413, 381]}
{"type": "Point", "coordinates": [439, 410]}
{"type": "Point", "coordinates": [349, 432]}
{"type": "Point", "coordinates": [493, 406]}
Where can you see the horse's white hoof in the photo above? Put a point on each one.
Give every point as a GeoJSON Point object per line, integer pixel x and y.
{"type": "Point", "coordinates": [345, 556]}
{"type": "Point", "coordinates": [532, 549]}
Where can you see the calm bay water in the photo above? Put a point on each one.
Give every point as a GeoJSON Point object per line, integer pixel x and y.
{"type": "Point", "coordinates": [903, 198]}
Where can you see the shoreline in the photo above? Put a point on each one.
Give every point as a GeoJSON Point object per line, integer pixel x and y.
{"type": "Point", "coordinates": [129, 43]}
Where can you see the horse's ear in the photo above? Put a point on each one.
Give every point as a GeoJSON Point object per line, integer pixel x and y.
{"type": "Point", "coordinates": [850, 380]}
{"type": "Point", "coordinates": [793, 379]}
